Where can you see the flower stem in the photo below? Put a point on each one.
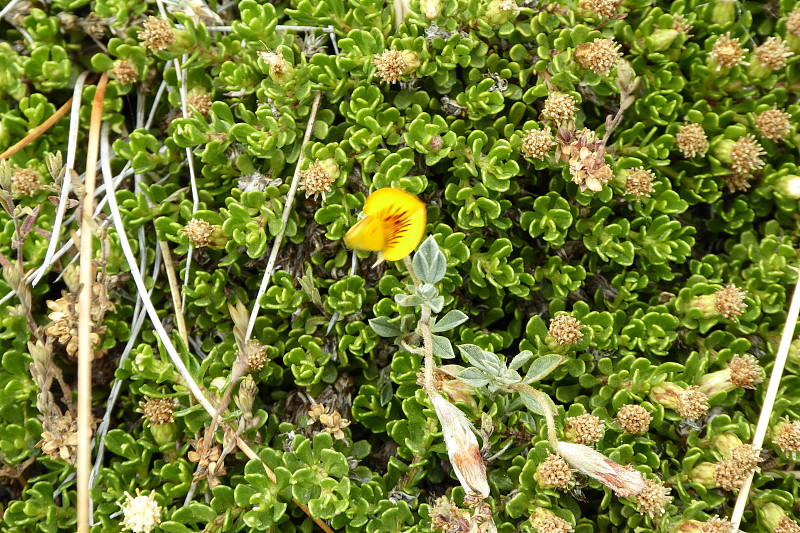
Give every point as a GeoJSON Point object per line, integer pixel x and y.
{"type": "Point", "coordinates": [545, 404]}
{"type": "Point", "coordinates": [424, 327]}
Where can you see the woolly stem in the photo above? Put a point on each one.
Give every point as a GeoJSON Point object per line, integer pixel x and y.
{"type": "Point", "coordinates": [549, 417]}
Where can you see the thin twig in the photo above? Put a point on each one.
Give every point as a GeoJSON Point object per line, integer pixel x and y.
{"type": "Point", "coordinates": [287, 210]}
{"type": "Point", "coordinates": [85, 348]}
{"type": "Point", "coordinates": [11, 5]}
{"type": "Point", "coordinates": [191, 384]}
{"type": "Point", "coordinates": [42, 128]}
{"type": "Point", "coordinates": [66, 185]}
{"type": "Point", "coordinates": [175, 291]}
{"type": "Point", "coordinates": [769, 399]}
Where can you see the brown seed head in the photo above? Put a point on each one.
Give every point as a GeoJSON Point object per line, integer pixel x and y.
{"type": "Point", "coordinates": [745, 371]}
{"type": "Point", "coordinates": [537, 143]}
{"type": "Point", "coordinates": [773, 53]}
{"type": "Point", "coordinates": [60, 438]}
{"type": "Point", "coordinates": [124, 71]}
{"type": "Point", "coordinates": [727, 52]}
{"type": "Point", "coordinates": [566, 330]}
{"type": "Point", "coordinates": [200, 100]}
{"type": "Point", "coordinates": [599, 56]}
{"type": "Point", "coordinates": [728, 475]}
{"type": "Point", "coordinates": [787, 525]}
{"type": "Point", "coordinates": [157, 34]}
{"type": "Point", "coordinates": [788, 437]}
{"type": "Point", "coordinates": [653, 499]}
{"type": "Point", "coordinates": [389, 66]}
{"type": "Point", "coordinates": [316, 180]}
{"type": "Point", "coordinates": [554, 473]}
{"type": "Point", "coordinates": [199, 232]}
{"type": "Point", "coordinates": [550, 523]}
{"type": "Point", "coordinates": [257, 355]}
{"type": "Point", "coordinates": [691, 140]}
{"type": "Point", "coordinates": [746, 457]}
{"type": "Point", "coordinates": [773, 124]}
{"type": "Point", "coordinates": [334, 424]}
{"type": "Point", "coordinates": [559, 107]}
{"type": "Point", "coordinates": [25, 182]}
{"type": "Point", "coordinates": [158, 411]}
{"type": "Point", "coordinates": [602, 8]}
{"type": "Point", "coordinates": [717, 525]}
{"type": "Point", "coordinates": [692, 403]}
{"type": "Point", "coordinates": [729, 301]}
{"type": "Point", "coordinates": [793, 22]}
{"type": "Point", "coordinates": [639, 182]}
{"type": "Point", "coordinates": [585, 429]}
{"type": "Point", "coordinates": [634, 419]}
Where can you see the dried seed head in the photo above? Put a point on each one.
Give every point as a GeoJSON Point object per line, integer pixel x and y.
{"type": "Point", "coordinates": [317, 410]}
{"type": "Point", "coordinates": [692, 403]}
{"type": "Point", "coordinates": [727, 52]}
{"type": "Point", "coordinates": [599, 56]}
{"type": "Point", "coordinates": [773, 124]}
{"type": "Point", "coordinates": [653, 498]}
{"type": "Point", "coordinates": [60, 438]}
{"type": "Point", "coordinates": [787, 525]}
{"type": "Point", "coordinates": [158, 411]}
{"type": "Point", "coordinates": [200, 100]}
{"type": "Point", "coordinates": [537, 143]}
{"type": "Point", "coordinates": [199, 232]}
{"type": "Point", "coordinates": [124, 71]}
{"type": "Point", "coordinates": [773, 53]}
{"type": "Point", "coordinates": [554, 473]}
{"type": "Point", "coordinates": [788, 437]}
{"type": "Point", "coordinates": [334, 424]}
{"type": "Point", "coordinates": [559, 107]}
{"type": "Point", "coordinates": [679, 23]}
{"type": "Point", "coordinates": [277, 64]}
{"type": "Point", "coordinates": [140, 514]}
{"type": "Point", "coordinates": [745, 371]}
{"type": "Point", "coordinates": [746, 155]}
{"type": "Point", "coordinates": [691, 140]}
{"type": "Point", "coordinates": [728, 475]}
{"type": "Point", "coordinates": [25, 182]}
{"type": "Point", "coordinates": [602, 8]}
{"type": "Point", "coordinates": [584, 429]}
{"type": "Point", "coordinates": [389, 65]}
{"type": "Point", "coordinates": [545, 521]}
{"type": "Point", "coordinates": [736, 181]}
{"type": "Point", "coordinates": [634, 419]}
{"type": "Point", "coordinates": [729, 301]}
{"type": "Point", "coordinates": [157, 34]}
{"type": "Point", "coordinates": [257, 355]}
{"type": "Point", "coordinates": [717, 525]}
{"type": "Point", "coordinates": [319, 176]}
{"type": "Point", "coordinates": [507, 5]}
{"type": "Point", "coordinates": [639, 182]}
{"type": "Point", "coordinates": [793, 22]}
{"type": "Point", "coordinates": [746, 457]}
{"type": "Point", "coordinates": [565, 330]}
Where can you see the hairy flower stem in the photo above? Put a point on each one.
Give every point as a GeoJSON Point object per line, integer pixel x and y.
{"type": "Point", "coordinates": [549, 418]}
{"type": "Point", "coordinates": [425, 331]}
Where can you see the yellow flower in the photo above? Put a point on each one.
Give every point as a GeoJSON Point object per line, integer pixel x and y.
{"type": "Point", "coordinates": [394, 224]}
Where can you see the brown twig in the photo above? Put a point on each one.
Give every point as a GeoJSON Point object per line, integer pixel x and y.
{"type": "Point", "coordinates": [174, 290]}
{"type": "Point", "coordinates": [43, 127]}
{"type": "Point", "coordinates": [85, 348]}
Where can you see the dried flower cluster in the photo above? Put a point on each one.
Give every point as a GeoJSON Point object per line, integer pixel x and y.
{"type": "Point", "coordinates": [200, 100]}
{"type": "Point", "coordinates": [653, 498]}
{"type": "Point", "coordinates": [692, 403]}
{"type": "Point", "coordinates": [156, 34]}
{"type": "Point", "coordinates": [63, 317]}
{"type": "Point", "coordinates": [566, 330]}
{"type": "Point", "coordinates": [745, 371]}
{"type": "Point", "coordinates": [599, 56]}
{"type": "Point", "coordinates": [389, 65]}
{"type": "Point", "coordinates": [584, 429]}
{"type": "Point", "coordinates": [793, 22]}
{"type": "Point", "coordinates": [140, 514]}
{"type": "Point", "coordinates": [639, 182]}
{"type": "Point", "coordinates": [729, 301]}
{"type": "Point", "coordinates": [634, 419]}
{"type": "Point", "coordinates": [199, 232]}
{"type": "Point", "coordinates": [691, 140]}
{"type": "Point", "coordinates": [124, 71]}
{"type": "Point", "coordinates": [276, 62]}
{"type": "Point", "coordinates": [602, 8]}
{"type": "Point", "coordinates": [772, 53]}
{"type": "Point", "coordinates": [680, 24]}
{"type": "Point", "coordinates": [585, 154]}
{"type": "Point", "coordinates": [554, 473]}
{"type": "Point", "coordinates": [726, 52]}
{"type": "Point", "coordinates": [545, 521]}
{"type": "Point", "coordinates": [787, 525]}
{"type": "Point", "coordinates": [448, 518]}
{"type": "Point", "coordinates": [559, 107]}
{"type": "Point", "coordinates": [788, 436]}
{"type": "Point", "coordinates": [257, 355]}
{"type": "Point", "coordinates": [25, 181]}
{"type": "Point", "coordinates": [317, 180]}
{"type": "Point", "coordinates": [731, 472]}
{"type": "Point", "coordinates": [158, 411]}
{"type": "Point", "coordinates": [537, 143]}
{"type": "Point", "coordinates": [773, 124]}
{"type": "Point", "coordinates": [60, 438]}
{"type": "Point", "coordinates": [332, 423]}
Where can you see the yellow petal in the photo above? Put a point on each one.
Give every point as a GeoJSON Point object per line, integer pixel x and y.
{"type": "Point", "coordinates": [367, 234]}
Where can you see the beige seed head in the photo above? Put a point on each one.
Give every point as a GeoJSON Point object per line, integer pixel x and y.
{"type": "Point", "coordinates": [537, 143]}
{"type": "Point", "coordinates": [602, 8]}
{"type": "Point", "coordinates": [773, 53]}
{"type": "Point", "coordinates": [639, 183]}
{"type": "Point", "coordinates": [692, 403]}
{"type": "Point", "coordinates": [729, 301]}
{"type": "Point", "coordinates": [389, 65]}
{"type": "Point", "coordinates": [679, 23]}
{"type": "Point", "coordinates": [746, 457]}
{"type": "Point", "coordinates": [199, 232]}
{"type": "Point", "coordinates": [559, 107]}
{"type": "Point", "coordinates": [793, 22]}
{"type": "Point", "coordinates": [653, 498]}
{"type": "Point", "coordinates": [25, 182]}
{"type": "Point", "coordinates": [691, 140]}
{"type": "Point", "coordinates": [736, 181]}
{"type": "Point", "coordinates": [200, 100]}
{"type": "Point", "coordinates": [566, 330]}
{"type": "Point", "coordinates": [717, 525]}
{"type": "Point", "coordinates": [124, 71]}
{"type": "Point", "coordinates": [277, 63]}
{"type": "Point", "coordinates": [257, 355]}
{"type": "Point", "coordinates": [550, 523]}
{"type": "Point", "coordinates": [773, 124]}
{"type": "Point", "coordinates": [599, 56]}
{"type": "Point", "coordinates": [158, 411]}
{"type": "Point", "coordinates": [554, 472]}
{"type": "Point", "coordinates": [746, 155]}
{"type": "Point", "coordinates": [316, 180]}
{"type": "Point", "coordinates": [727, 52]}
{"type": "Point", "coordinates": [584, 429]}
{"type": "Point", "coordinates": [788, 437]}
{"type": "Point", "coordinates": [728, 475]}
{"type": "Point", "coordinates": [157, 34]}
{"type": "Point", "coordinates": [787, 525]}
{"type": "Point", "coordinates": [140, 514]}
{"type": "Point", "coordinates": [634, 419]}
{"type": "Point", "coordinates": [745, 371]}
